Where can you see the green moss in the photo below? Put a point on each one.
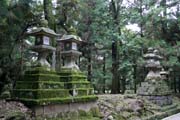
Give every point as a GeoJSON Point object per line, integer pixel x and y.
{"type": "Point", "coordinates": [39, 85]}
{"type": "Point", "coordinates": [73, 115]}
{"type": "Point", "coordinates": [40, 93]}
{"type": "Point", "coordinates": [119, 117]}
{"type": "Point", "coordinates": [77, 115]}
{"type": "Point", "coordinates": [85, 98]}
{"type": "Point", "coordinates": [41, 77]}
{"type": "Point", "coordinates": [95, 112]}
{"type": "Point", "coordinates": [84, 113]}
{"type": "Point", "coordinates": [58, 100]}
{"type": "Point", "coordinates": [73, 78]}
{"type": "Point", "coordinates": [15, 115]}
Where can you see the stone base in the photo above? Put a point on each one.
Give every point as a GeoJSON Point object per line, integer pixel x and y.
{"type": "Point", "coordinates": [160, 100]}
{"type": "Point", "coordinates": [54, 110]}
{"type": "Point", "coordinates": [39, 84]}
{"type": "Point", "coordinates": [76, 82]}
{"type": "Point", "coordinates": [42, 87]}
{"type": "Point", "coordinates": [157, 92]}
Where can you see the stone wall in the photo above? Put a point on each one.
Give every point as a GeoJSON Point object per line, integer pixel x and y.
{"type": "Point", "coordinates": [54, 110]}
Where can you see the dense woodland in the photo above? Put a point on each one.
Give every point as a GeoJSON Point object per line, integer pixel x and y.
{"type": "Point", "coordinates": [112, 53]}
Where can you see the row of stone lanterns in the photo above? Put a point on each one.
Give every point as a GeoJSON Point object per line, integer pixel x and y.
{"type": "Point", "coordinates": [43, 46]}
{"type": "Point", "coordinates": [42, 85]}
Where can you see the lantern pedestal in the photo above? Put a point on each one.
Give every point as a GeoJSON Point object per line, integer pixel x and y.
{"type": "Point", "coordinates": [40, 87]}
{"type": "Point", "coordinates": [69, 59]}
{"type": "Point", "coordinates": [76, 82]}
{"type": "Point", "coordinates": [43, 52]}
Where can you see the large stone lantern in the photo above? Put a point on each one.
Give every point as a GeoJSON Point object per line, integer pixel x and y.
{"type": "Point", "coordinates": [75, 80]}
{"type": "Point", "coordinates": [70, 51]}
{"type": "Point", "coordinates": [43, 43]}
{"type": "Point", "coordinates": [154, 88]}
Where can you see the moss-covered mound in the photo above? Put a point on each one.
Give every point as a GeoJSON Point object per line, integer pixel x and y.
{"type": "Point", "coordinates": [40, 86]}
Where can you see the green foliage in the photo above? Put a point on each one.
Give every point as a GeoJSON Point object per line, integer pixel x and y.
{"type": "Point", "coordinates": [15, 19]}
{"type": "Point", "coordinates": [98, 23]}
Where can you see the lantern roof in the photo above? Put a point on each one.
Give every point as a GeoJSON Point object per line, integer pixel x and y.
{"type": "Point", "coordinates": [70, 38]}
{"type": "Point", "coordinates": [152, 54]}
{"type": "Point", "coordinates": [42, 31]}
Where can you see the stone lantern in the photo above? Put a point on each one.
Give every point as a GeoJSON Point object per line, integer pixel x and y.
{"type": "Point", "coordinates": [40, 84]}
{"type": "Point", "coordinates": [154, 88]}
{"type": "Point", "coordinates": [70, 51]}
{"type": "Point", "coordinates": [43, 43]}
{"type": "Point", "coordinates": [74, 80]}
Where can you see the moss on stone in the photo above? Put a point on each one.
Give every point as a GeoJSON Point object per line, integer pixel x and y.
{"type": "Point", "coordinates": [40, 77]}
{"type": "Point", "coordinates": [85, 98]}
{"type": "Point", "coordinates": [71, 115]}
{"type": "Point", "coordinates": [40, 86]}
{"type": "Point", "coordinates": [95, 112]}
{"type": "Point", "coordinates": [16, 115]}
{"type": "Point", "coordinates": [60, 100]}
{"type": "Point", "coordinates": [120, 117]}
{"type": "Point", "coordinates": [40, 93]}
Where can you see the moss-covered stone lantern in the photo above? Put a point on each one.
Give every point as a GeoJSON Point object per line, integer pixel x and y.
{"type": "Point", "coordinates": [154, 88]}
{"type": "Point", "coordinates": [75, 80]}
{"type": "Point", "coordinates": [70, 51]}
{"type": "Point", "coordinates": [43, 43]}
{"type": "Point", "coordinates": [41, 85]}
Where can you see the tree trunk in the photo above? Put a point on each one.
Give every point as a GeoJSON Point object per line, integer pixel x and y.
{"type": "Point", "coordinates": [164, 20]}
{"type": "Point", "coordinates": [115, 78]}
{"type": "Point", "coordinates": [47, 5]}
{"type": "Point", "coordinates": [46, 10]}
{"type": "Point", "coordinates": [58, 58]}
{"type": "Point", "coordinates": [104, 72]}
{"type": "Point", "coordinates": [141, 22]}
{"type": "Point", "coordinates": [115, 9]}
{"type": "Point", "coordinates": [89, 63]}
{"type": "Point", "coordinates": [179, 84]}
{"type": "Point", "coordinates": [134, 76]}
{"type": "Point", "coordinates": [123, 83]}
{"type": "Point", "coordinates": [174, 78]}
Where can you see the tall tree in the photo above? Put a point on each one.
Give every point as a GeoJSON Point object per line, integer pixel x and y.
{"type": "Point", "coordinates": [115, 6]}
{"type": "Point", "coordinates": [15, 19]}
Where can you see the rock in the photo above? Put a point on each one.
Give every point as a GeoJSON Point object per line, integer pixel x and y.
{"type": "Point", "coordinates": [136, 106]}
{"type": "Point", "coordinates": [14, 111]}
{"type": "Point", "coordinates": [110, 117]}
